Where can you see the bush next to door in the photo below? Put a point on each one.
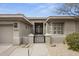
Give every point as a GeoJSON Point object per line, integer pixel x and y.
{"type": "Point", "coordinates": [73, 41]}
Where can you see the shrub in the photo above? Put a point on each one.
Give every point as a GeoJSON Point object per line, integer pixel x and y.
{"type": "Point", "coordinates": [73, 41]}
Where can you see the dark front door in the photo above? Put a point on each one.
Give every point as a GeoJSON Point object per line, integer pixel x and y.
{"type": "Point", "coordinates": [38, 28]}
{"type": "Point", "coordinates": [39, 37]}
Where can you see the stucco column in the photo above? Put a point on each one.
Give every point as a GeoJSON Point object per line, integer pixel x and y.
{"type": "Point", "coordinates": [43, 28]}
{"type": "Point", "coordinates": [47, 36]}
{"type": "Point", "coordinates": [46, 28]}
{"type": "Point", "coordinates": [51, 28]}
{"type": "Point", "coordinates": [33, 28]}
{"type": "Point", "coordinates": [31, 37]}
{"type": "Point", "coordinates": [16, 35]}
{"type": "Point", "coordinates": [16, 38]}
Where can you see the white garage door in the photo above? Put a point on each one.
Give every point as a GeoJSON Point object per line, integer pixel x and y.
{"type": "Point", "coordinates": [6, 33]}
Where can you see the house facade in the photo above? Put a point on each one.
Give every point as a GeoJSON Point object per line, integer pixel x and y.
{"type": "Point", "coordinates": [13, 27]}
{"type": "Point", "coordinates": [19, 29]}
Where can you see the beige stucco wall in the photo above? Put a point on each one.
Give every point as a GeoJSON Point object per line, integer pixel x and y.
{"type": "Point", "coordinates": [77, 26]}
{"type": "Point", "coordinates": [19, 32]}
{"type": "Point", "coordinates": [25, 30]}
{"type": "Point", "coordinates": [48, 28]}
{"type": "Point", "coordinates": [69, 27]}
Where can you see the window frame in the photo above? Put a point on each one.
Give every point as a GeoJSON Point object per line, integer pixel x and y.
{"type": "Point", "coordinates": [58, 28]}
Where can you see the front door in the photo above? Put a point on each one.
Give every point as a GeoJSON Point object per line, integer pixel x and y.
{"type": "Point", "coordinates": [39, 37]}
{"type": "Point", "coordinates": [38, 28]}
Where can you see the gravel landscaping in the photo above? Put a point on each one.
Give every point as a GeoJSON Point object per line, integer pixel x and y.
{"type": "Point", "coordinates": [61, 50]}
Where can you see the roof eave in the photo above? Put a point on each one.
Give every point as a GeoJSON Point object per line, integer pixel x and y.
{"type": "Point", "coordinates": [61, 17]}
{"type": "Point", "coordinates": [15, 15]}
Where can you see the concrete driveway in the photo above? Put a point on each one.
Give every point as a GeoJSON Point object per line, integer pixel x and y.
{"type": "Point", "coordinates": [6, 49]}
{"type": "Point", "coordinates": [20, 52]}
{"type": "Point", "coordinates": [38, 49]}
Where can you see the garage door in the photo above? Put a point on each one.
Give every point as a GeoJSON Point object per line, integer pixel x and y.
{"type": "Point", "coordinates": [6, 33]}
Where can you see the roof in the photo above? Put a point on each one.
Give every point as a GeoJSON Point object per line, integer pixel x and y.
{"type": "Point", "coordinates": [62, 17]}
{"type": "Point", "coordinates": [37, 18]}
{"type": "Point", "coordinates": [14, 16]}
{"type": "Point", "coordinates": [11, 15]}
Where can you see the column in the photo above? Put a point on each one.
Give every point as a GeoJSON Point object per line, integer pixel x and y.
{"type": "Point", "coordinates": [16, 34]}
{"type": "Point", "coordinates": [33, 28]}
{"type": "Point", "coordinates": [46, 28]}
{"type": "Point", "coordinates": [51, 29]}
{"type": "Point", "coordinates": [43, 28]}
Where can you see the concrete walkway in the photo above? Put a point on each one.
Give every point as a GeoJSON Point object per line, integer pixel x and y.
{"type": "Point", "coordinates": [39, 49]}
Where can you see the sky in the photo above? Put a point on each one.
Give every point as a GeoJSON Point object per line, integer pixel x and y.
{"type": "Point", "coordinates": [30, 9]}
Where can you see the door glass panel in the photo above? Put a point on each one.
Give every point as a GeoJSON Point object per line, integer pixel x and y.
{"type": "Point", "coordinates": [39, 28]}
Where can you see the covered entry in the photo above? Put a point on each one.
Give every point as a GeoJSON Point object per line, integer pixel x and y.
{"type": "Point", "coordinates": [39, 37]}
{"type": "Point", "coordinates": [6, 33]}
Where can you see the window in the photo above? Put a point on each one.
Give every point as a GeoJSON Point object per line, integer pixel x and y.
{"type": "Point", "coordinates": [58, 28]}
{"type": "Point", "coordinates": [15, 25]}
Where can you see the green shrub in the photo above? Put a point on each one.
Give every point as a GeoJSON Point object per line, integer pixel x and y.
{"type": "Point", "coordinates": [73, 41]}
